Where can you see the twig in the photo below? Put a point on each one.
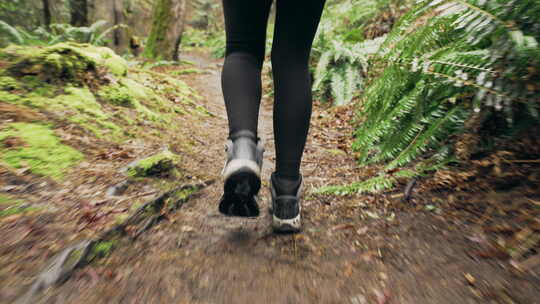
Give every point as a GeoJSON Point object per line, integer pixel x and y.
{"type": "Point", "coordinates": [408, 190]}
{"type": "Point", "coordinates": [136, 196]}
{"type": "Point", "coordinates": [524, 161]}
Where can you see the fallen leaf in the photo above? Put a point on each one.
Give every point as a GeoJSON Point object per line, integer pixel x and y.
{"type": "Point", "coordinates": [187, 229]}
{"type": "Point", "coordinates": [382, 297]}
{"type": "Point", "coordinates": [362, 230]}
{"type": "Point", "coordinates": [470, 279]}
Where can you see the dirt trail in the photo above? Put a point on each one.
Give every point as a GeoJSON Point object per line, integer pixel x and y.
{"type": "Point", "coordinates": [349, 252]}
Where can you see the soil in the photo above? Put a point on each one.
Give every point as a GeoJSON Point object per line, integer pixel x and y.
{"type": "Point", "coordinates": [443, 245]}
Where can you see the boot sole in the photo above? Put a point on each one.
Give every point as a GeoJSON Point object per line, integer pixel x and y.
{"type": "Point", "coordinates": [286, 226]}
{"type": "Point", "coordinates": [242, 184]}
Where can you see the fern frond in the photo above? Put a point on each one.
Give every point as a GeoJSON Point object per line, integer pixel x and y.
{"type": "Point", "coordinates": [100, 39]}
{"type": "Point", "coordinates": [11, 32]}
{"type": "Point", "coordinates": [372, 185]}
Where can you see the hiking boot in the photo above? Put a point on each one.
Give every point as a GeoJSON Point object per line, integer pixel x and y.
{"type": "Point", "coordinates": [286, 208]}
{"type": "Point", "coordinates": [242, 175]}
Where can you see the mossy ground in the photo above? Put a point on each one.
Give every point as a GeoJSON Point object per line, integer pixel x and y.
{"type": "Point", "coordinates": [90, 87]}
{"type": "Point", "coordinates": [104, 120]}
{"type": "Point", "coordinates": [36, 146]}
{"type": "Point", "coordinates": [10, 206]}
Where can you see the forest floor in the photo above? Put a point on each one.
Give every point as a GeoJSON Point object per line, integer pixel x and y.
{"type": "Point", "coordinates": [460, 245]}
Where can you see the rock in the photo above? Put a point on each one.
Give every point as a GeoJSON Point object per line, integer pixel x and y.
{"type": "Point", "coordinates": [118, 189]}
{"type": "Point", "coordinates": [160, 164]}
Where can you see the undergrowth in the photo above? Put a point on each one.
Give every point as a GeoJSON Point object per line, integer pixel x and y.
{"type": "Point", "coordinates": [450, 77]}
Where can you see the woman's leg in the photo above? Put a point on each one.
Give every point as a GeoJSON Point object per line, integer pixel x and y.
{"type": "Point", "coordinates": [245, 25]}
{"type": "Point", "coordinates": [296, 24]}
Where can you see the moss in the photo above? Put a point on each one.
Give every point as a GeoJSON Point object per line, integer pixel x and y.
{"type": "Point", "coordinates": [31, 81]}
{"type": "Point", "coordinates": [102, 248]}
{"type": "Point", "coordinates": [179, 110]}
{"type": "Point", "coordinates": [163, 163]}
{"type": "Point", "coordinates": [16, 210]}
{"type": "Point", "coordinates": [6, 199]}
{"type": "Point", "coordinates": [121, 218]}
{"type": "Point", "coordinates": [157, 42]}
{"type": "Point", "coordinates": [10, 206]}
{"type": "Point", "coordinates": [66, 61]}
{"type": "Point", "coordinates": [179, 196]}
{"type": "Point", "coordinates": [73, 258]}
{"type": "Point", "coordinates": [92, 56]}
{"type": "Point", "coordinates": [83, 101]}
{"type": "Point", "coordinates": [42, 153]}
{"type": "Point", "coordinates": [8, 83]}
{"type": "Point", "coordinates": [8, 97]}
{"type": "Point", "coordinates": [78, 104]}
{"type": "Point", "coordinates": [130, 93]}
{"type": "Point", "coordinates": [136, 89]}
{"type": "Point", "coordinates": [117, 95]}
{"type": "Point", "coordinates": [188, 71]}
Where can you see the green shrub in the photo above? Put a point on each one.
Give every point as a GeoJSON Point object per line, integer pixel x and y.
{"type": "Point", "coordinates": [444, 61]}
{"type": "Point", "coordinates": [59, 32]}
{"type": "Point", "coordinates": [447, 69]}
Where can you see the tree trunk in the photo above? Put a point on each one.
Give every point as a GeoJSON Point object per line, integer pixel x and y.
{"type": "Point", "coordinates": [60, 11]}
{"type": "Point", "coordinates": [111, 11]}
{"type": "Point", "coordinates": [121, 39]}
{"type": "Point", "coordinates": [167, 27]}
{"type": "Point", "coordinates": [46, 13]}
{"type": "Point", "coordinates": [79, 12]}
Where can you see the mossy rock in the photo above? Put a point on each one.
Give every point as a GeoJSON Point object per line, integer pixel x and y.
{"type": "Point", "coordinates": [161, 164]}
{"type": "Point", "coordinates": [37, 148]}
{"type": "Point", "coordinates": [66, 61]}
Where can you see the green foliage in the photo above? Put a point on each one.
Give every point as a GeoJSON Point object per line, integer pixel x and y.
{"type": "Point", "coordinates": [207, 15]}
{"type": "Point", "coordinates": [341, 51]}
{"type": "Point", "coordinates": [205, 28]}
{"type": "Point", "coordinates": [23, 13]}
{"type": "Point", "coordinates": [10, 33]}
{"type": "Point", "coordinates": [198, 38]}
{"type": "Point", "coordinates": [341, 69]}
{"type": "Point", "coordinates": [443, 61]}
{"type": "Point", "coordinates": [94, 34]}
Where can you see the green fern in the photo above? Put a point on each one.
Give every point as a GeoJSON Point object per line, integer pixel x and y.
{"type": "Point", "coordinates": [341, 52]}
{"type": "Point", "coordinates": [443, 60]}
{"type": "Point", "coordinates": [12, 33]}
{"type": "Point", "coordinates": [60, 32]}
{"type": "Point", "coordinates": [341, 69]}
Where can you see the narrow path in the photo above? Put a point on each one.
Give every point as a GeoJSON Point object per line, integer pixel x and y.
{"type": "Point", "coordinates": [349, 251]}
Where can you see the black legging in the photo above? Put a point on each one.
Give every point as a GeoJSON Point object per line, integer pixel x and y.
{"type": "Point", "coordinates": [295, 27]}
